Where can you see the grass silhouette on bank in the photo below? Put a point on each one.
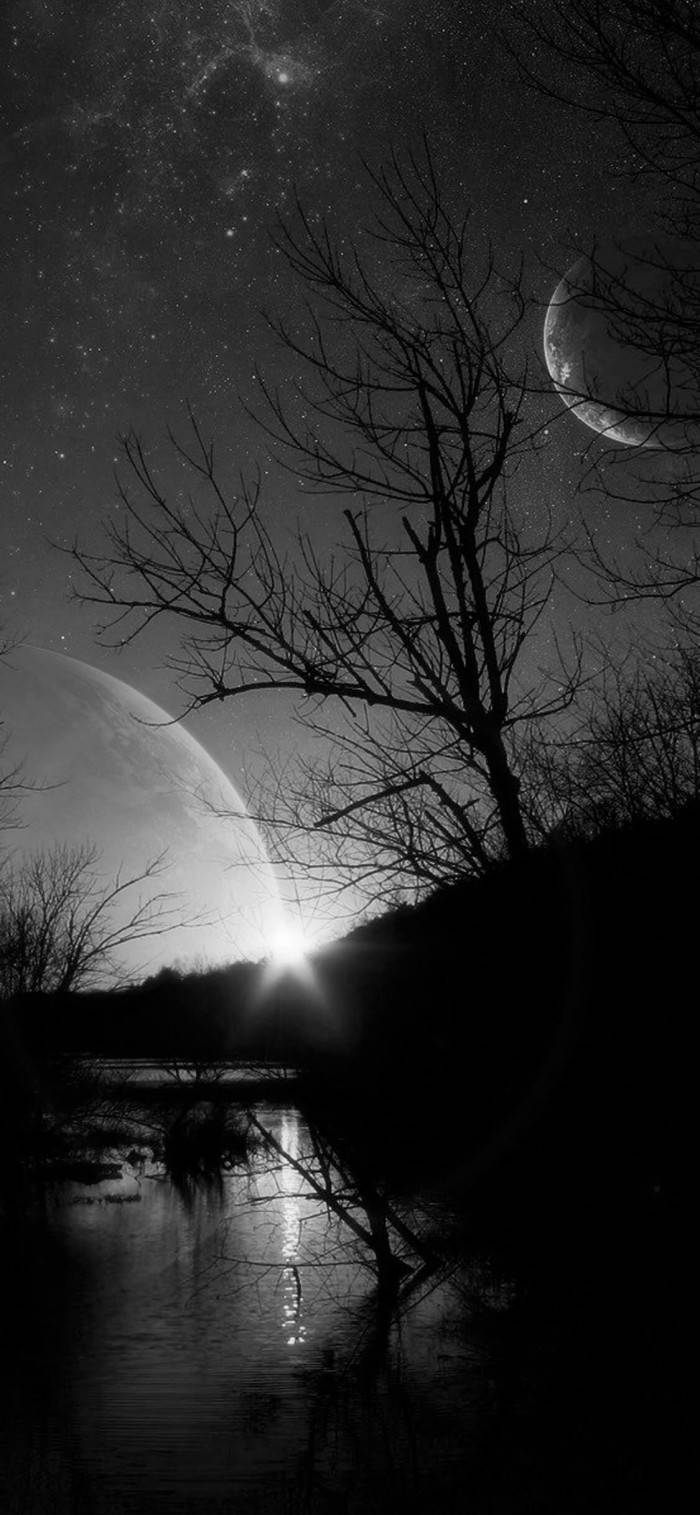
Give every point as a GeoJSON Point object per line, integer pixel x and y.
{"type": "Point", "coordinates": [523, 1031]}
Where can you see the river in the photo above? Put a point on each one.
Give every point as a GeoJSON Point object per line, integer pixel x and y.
{"type": "Point", "coordinates": [219, 1349]}
{"type": "Point", "coordinates": [220, 1346]}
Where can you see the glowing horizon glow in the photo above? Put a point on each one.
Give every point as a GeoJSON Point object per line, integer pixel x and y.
{"type": "Point", "coordinates": [289, 947]}
{"type": "Point", "coordinates": [112, 768]}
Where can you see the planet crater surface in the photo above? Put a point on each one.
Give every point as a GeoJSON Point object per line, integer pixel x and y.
{"type": "Point", "coordinates": [616, 342]}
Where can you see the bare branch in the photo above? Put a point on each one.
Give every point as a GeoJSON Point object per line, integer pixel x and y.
{"type": "Point", "coordinates": [413, 399]}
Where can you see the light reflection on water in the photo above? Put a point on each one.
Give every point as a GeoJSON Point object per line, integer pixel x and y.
{"type": "Point", "coordinates": [186, 1355]}
{"type": "Point", "coordinates": [291, 1235]}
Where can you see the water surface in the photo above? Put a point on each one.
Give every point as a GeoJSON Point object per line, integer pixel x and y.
{"type": "Point", "coordinates": [221, 1350]}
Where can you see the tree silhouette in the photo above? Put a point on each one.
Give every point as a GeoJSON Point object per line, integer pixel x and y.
{"type": "Point", "coordinates": [337, 1174]}
{"type": "Point", "coordinates": [61, 924]}
{"type": "Point", "coordinates": [14, 781]}
{"type": "Point", "coordinates": [12, 785]}
{"type": "Point", "coordinates": [633, 756]}
{"type": "Point", "coordinates": [634, 65]}
{"type": "Point", "coordinates": [406, 644]}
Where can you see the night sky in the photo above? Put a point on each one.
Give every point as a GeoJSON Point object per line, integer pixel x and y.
{"type": "Point", "coordinates": [145, 151]}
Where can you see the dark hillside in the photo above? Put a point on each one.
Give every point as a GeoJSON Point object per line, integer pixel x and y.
{"type": "Point", "coordinates": [535, 1024]}
{"type": "Point", "coordinates": [525, 1032]}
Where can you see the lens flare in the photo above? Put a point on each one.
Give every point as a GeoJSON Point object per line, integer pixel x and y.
{"type": "Point", "coordinates": [289, 946]}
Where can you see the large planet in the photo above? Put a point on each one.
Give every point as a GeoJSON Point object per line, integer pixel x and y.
{"type": "Point", "coordinates": [621, 342]}
{"type": "Point", "coordinates": [116, 772]}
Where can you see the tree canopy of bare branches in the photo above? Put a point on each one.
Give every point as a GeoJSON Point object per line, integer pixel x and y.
{"type": "Point", "coordinates": [635, 65]}
{"type": "Point", "coordinates": [61, 924]}
{"type": "Point", "coordinates": [636, 754]}
{"type": "Point", "coordinates": [14, 781]}
{"type": "Point", "coordinates": [12, 785]}
{"type": "Point", "coordinates": [406, 643]}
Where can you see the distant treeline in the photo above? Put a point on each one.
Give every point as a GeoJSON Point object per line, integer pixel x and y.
{"type": "Point", "coordinates": [550, 996]}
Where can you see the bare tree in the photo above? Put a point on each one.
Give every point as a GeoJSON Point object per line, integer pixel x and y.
{"type": "Point", "coordinates": [13, 779]}
{"type": "Point", "coordinates": [407, 642]}
{"type": "Point", "coordinates": [635, 756]}
{"type": "Point", "coordinates": [336, 1174]}
{"type": "Point", "coordinates": [635, 66]}
{"type": "Point", "coordinates": [61, 924]}
{"type": "Point", "coordinates": [12, 785]}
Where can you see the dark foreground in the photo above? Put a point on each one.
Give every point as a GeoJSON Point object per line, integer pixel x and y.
{"type": "Point", "coordinates": [497, 1090]}
{"type": "Point", "coordinates": [224, 1345]}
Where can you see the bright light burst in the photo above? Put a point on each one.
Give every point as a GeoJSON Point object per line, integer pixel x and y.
{"type": "Point", "coordinates": [289, 947]}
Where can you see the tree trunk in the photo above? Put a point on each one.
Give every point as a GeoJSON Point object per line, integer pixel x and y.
{"type": "Point", "coordinates": [505, 787]}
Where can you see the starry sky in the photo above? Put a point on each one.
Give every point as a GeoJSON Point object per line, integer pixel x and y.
{"type": "Point", "coordinates": [145, 151]}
